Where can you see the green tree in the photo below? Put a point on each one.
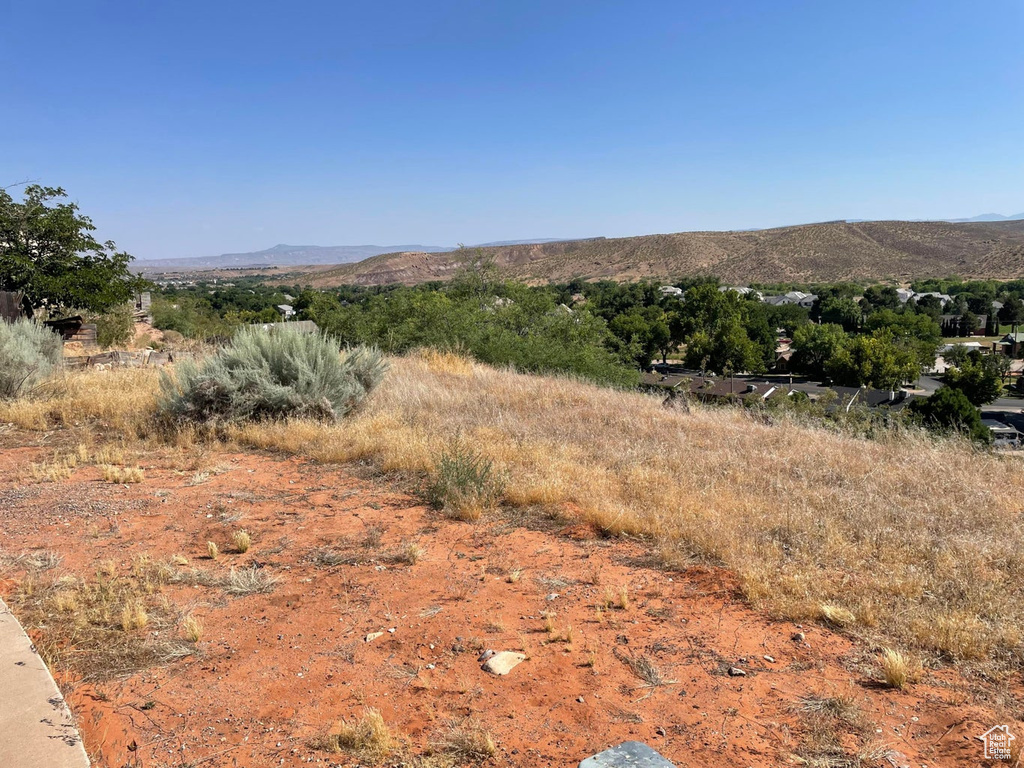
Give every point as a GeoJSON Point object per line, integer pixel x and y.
{"type": "Point", "coordinates": [978, 377]}
{"type": "Point", "coordinates": [722, 329]}
{"type": "Point", "coordinates": [875, 360]}
{"type": "Point", "coordinates": [881, 297]}
{"type": "Point", "coordinates": [929, 305]}
{"type": "Point", "coordinates": [725, 346]}
{"type": "Point", "coordinates": [48, 252]}
{"type": "Point", "coordinates": [968, 323]}
{"type": "Point", "coordinates": [815, 345]}
{"type": "Point", "coordinates": [949, 410]}
{"type": "Point", "coordinates": [643, 331]}
{"type": "Point", "coordinates": [839, 311]}
{"type": "Point", "coordinates": [1012, 312]}
{"type": "Point", "coordinates": [916, 332]}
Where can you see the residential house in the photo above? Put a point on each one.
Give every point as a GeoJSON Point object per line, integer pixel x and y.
{"type": "Point", "coordinates": [1012, 344]}
{"type": "Point", "coordinates": [286, 310]}
{"type": "Point", "coordinates": [805, 300]}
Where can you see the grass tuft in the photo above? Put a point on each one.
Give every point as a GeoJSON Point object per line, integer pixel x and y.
{"type": "Point", "coordinates": [466, 741]}
{"type": "Point", "coordinates": [464, 485]}
{"type": "Point", "coordinates": [241, 541]}
{"type": "Point", "coordinates": [898, 670]}
{"type": "Point", "coordinates": [836, 615]}
{"type": "Point", "coordinates": [192, 628]}
{"type": "Point", "coordinates": [249, 581]}
{"type": "Point", "coordinates": [369, 738]}
{"type": "Point", "coordinates": [122, 475]}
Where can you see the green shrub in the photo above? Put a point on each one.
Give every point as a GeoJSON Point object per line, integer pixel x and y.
{"type": "Point", "coordinates": [113, 328]}
{"type": "Point", "coordinates": [464, 484]}
{"type": "Point", "coordinates": [264, 375]}
{"type": "Point", "coordinates": [949, 410]}
{"type": "Point", "coordinates": [28, 354]}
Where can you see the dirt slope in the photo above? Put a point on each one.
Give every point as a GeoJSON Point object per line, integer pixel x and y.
{"type": "Point", "coordinates": [826, 252]}
{"type": "Point", "coordinates": [272, 671]}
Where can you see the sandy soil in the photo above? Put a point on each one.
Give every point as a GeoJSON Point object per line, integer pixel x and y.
{"type": "Point", "coordinates": [275, 670]}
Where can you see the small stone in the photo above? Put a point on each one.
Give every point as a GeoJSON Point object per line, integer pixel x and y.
{"type": "Point", "coordinates": [770, 659]}
{"type": "Point", "coordinates": [430, 666]}
{"type": "Point", "coordinates": [660, 731]}
{"type": "Point", "coordinates": [736, 672]}
{"type": "Point", "coordinates": [798, 637]}
{"type": "Point", "coordinates": [392, 630]}
{"type": "Point", "coordinates": [503, 662]}
{"type": "Point", "coordinates": [372, 636]}
{"type": "Point", "coordinates": [579, 699]}
{"type": "Point", "coordinates": [552, 596]}
{"type": "Point", "coordinates": [485, 655]}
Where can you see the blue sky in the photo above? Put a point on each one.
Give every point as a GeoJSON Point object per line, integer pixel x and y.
{"type": "Point", "coordinates": [195, 128]}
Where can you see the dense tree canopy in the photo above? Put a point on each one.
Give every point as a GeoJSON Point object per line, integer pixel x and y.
{"type": "Point", "coordinates": [725, 332]}
{"type": "Point", "coordinates": [876, 360]}
{"type": "Point", "coordinates": [48, 252]}
{"type": "Point", "coordinates": [978, 377]}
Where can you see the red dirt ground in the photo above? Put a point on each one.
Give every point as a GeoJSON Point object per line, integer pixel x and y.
{"type": "Point", "coordinates": [275, 670]}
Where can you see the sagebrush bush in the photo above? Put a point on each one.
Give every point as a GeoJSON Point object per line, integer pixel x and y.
{"type": "Point", "coordinates": [265, 375]}
{"type": "Point", "coordinates": [29, 352]}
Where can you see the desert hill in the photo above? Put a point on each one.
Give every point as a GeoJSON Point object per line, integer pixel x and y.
{"type": "Point", "coordinates": [829, 251]}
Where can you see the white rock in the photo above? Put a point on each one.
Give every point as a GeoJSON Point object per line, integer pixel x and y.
{"type": "Point", "coordinates": [503, 662]}
{"type": "Point", "coordinates": [372, 636]}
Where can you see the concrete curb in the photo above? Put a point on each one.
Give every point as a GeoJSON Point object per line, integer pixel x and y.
{"type": "Point", "coordinates": [36, 727]}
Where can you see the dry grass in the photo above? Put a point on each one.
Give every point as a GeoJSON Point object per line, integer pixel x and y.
{"type": "Point", "coordinates": [645, 669]}
{"type": "Point", "coordinates": [465, 741]}
{"type": "Point", "coordinates": [369, 738]}
{"type": "Point", "coordinates": [836, 734]}
{"type": "Point", "coordinates": [121, 475]}
{"type": "Point", "coordinates": [918, 539]}
{"type": "Point", "coordinates": [836, 615]}
{"type": "Point", "coordinates": [122, 399]}
{"type": "Point", "coordinates": [192, 628]}
{"type": "Point", "coordinates": [899, 669]}
{"type": "Point", "coordinates": [241, 541]}
{"type": "Point", "coordinates": [249, 581]}
{"type": "Point", "coordinates": [104, 626]}
{"type": "Point", "coordinates": [409, 553]}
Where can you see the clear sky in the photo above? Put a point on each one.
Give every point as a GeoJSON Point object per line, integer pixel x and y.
{"type": "Point", "coordinates": [193, 128]}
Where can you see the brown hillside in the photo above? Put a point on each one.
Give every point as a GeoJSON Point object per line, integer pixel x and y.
{"type": "Point", "coordinates": [815, 252]}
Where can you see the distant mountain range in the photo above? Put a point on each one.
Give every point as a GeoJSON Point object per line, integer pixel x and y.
{"type": "Point", "coordinates": [301, 255]}
{"type": "Point", "coordinates": [991, 217]}
{"type": "Point", "coordinates": [826, 252]}
{"type": "Point", "coordinates": [989, 245]}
